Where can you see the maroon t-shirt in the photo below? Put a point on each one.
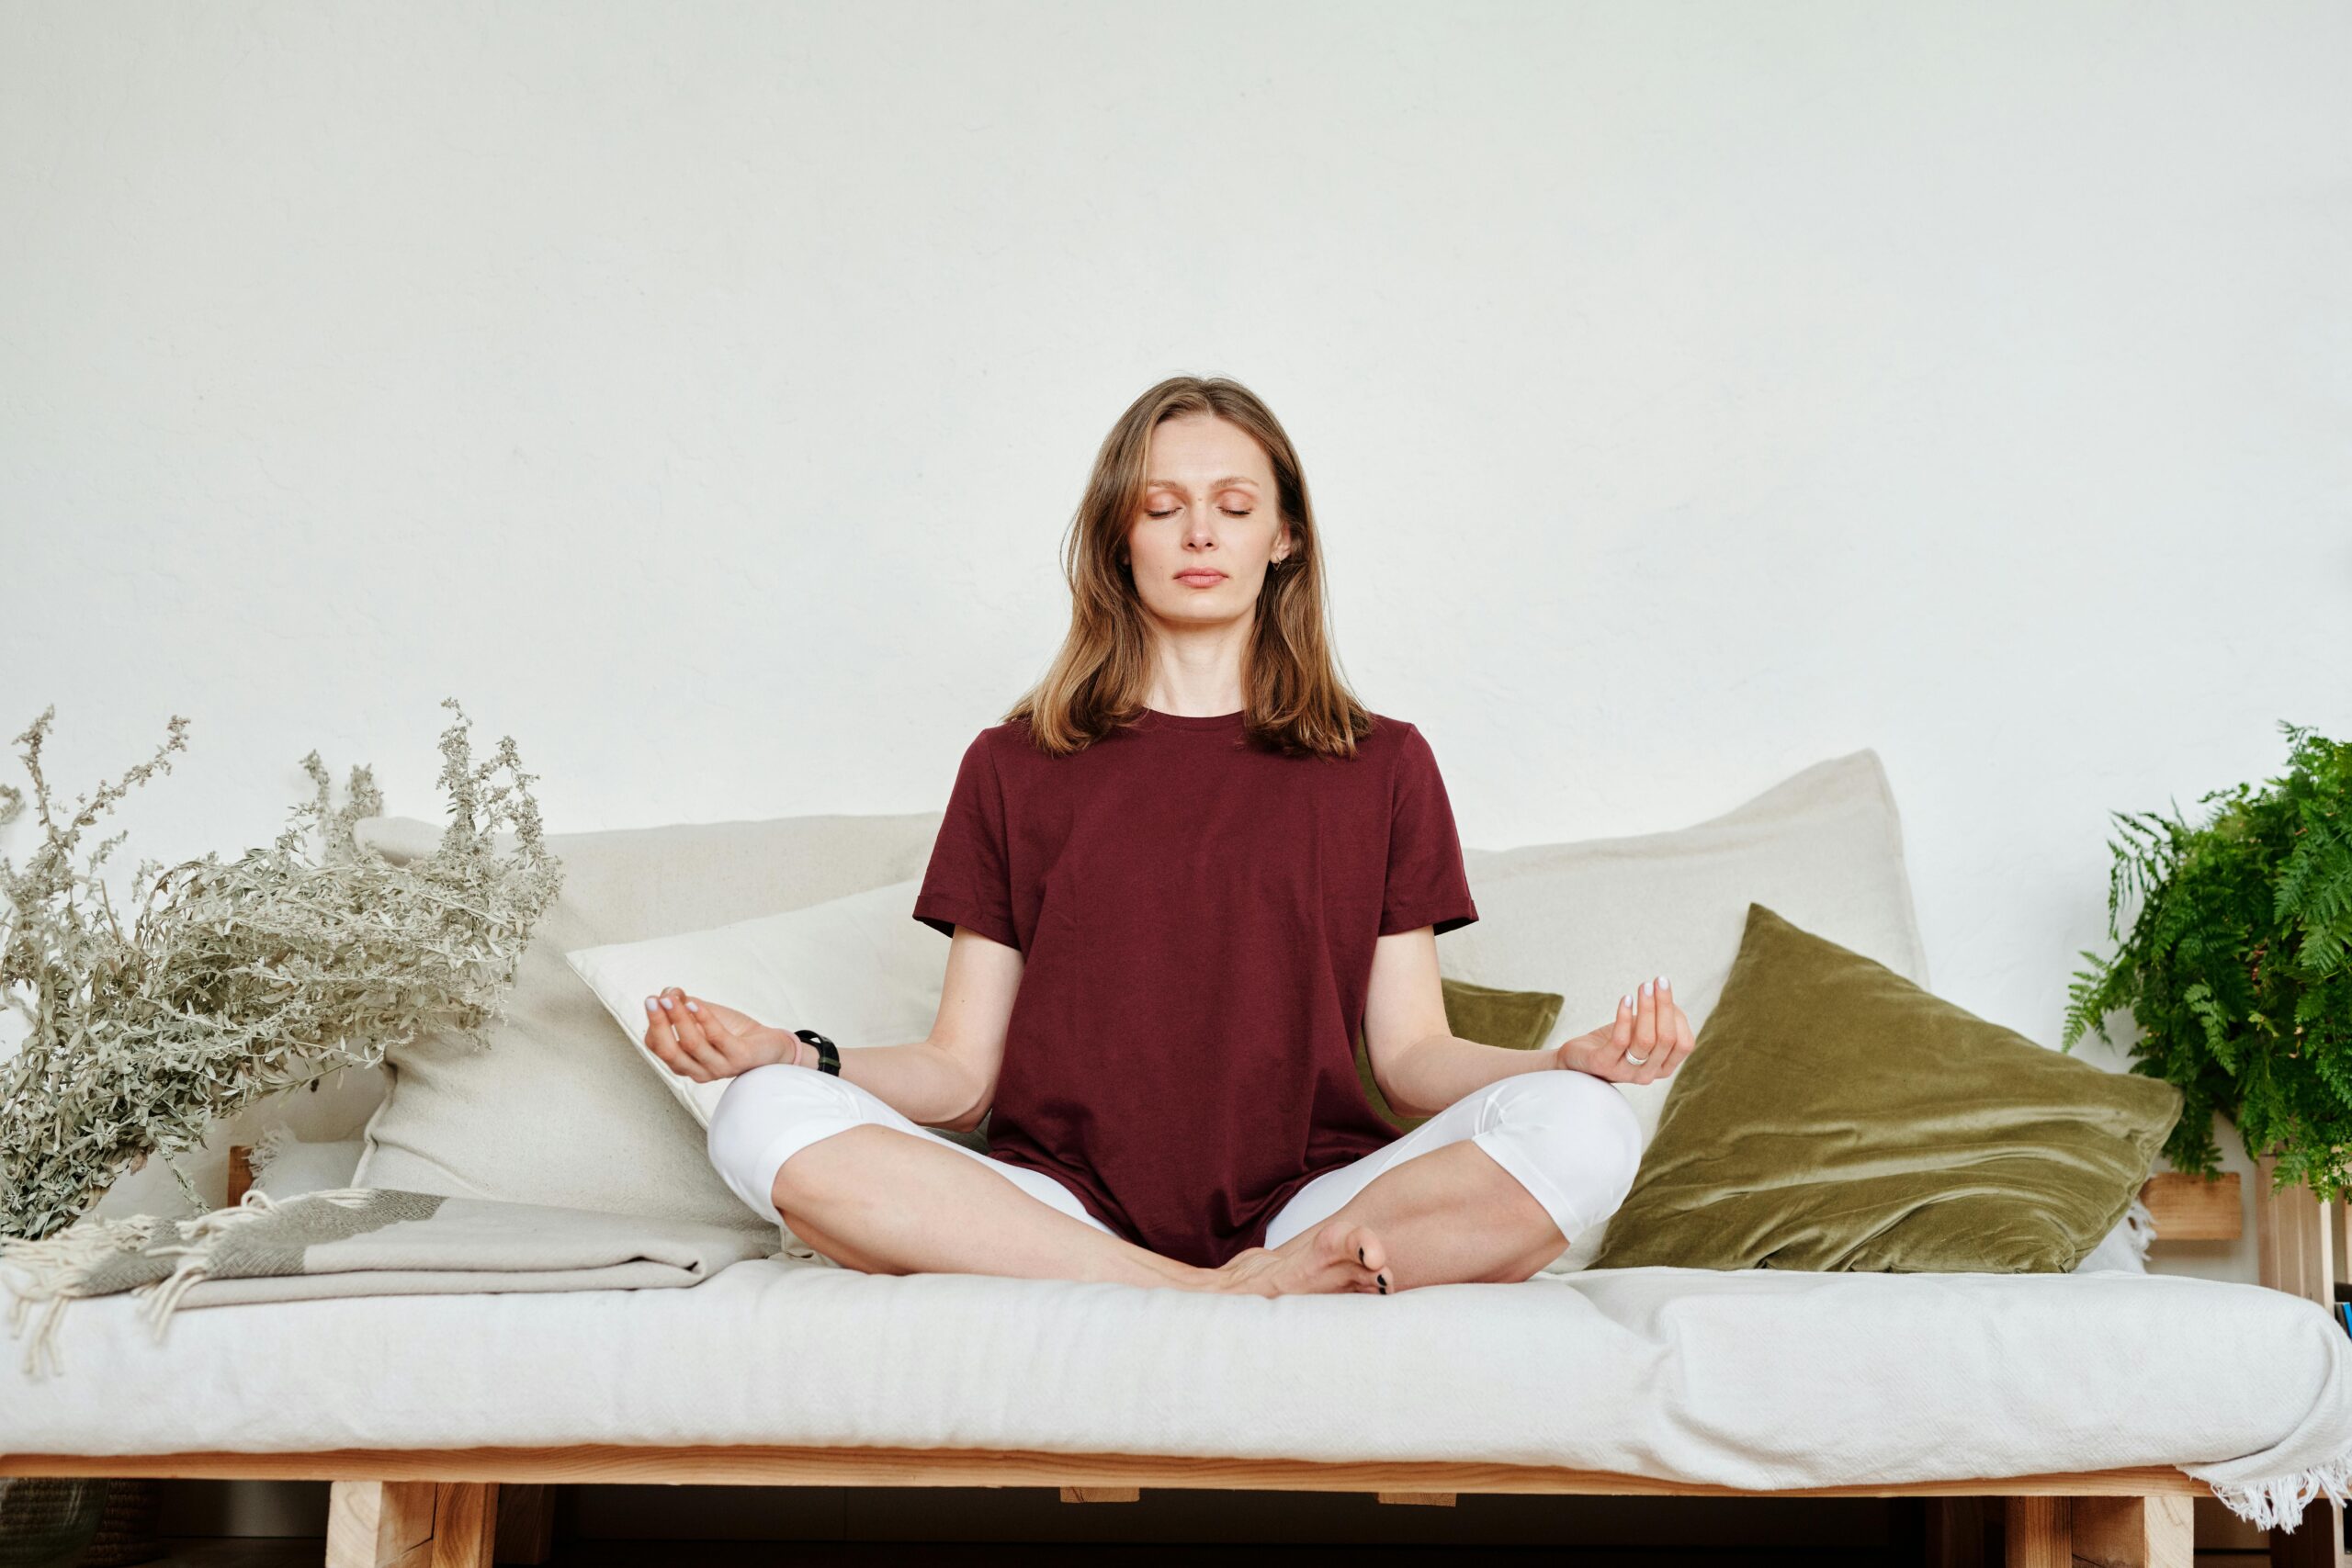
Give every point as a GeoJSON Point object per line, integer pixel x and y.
{"type": "Point", "coordinates": [1198, 918]}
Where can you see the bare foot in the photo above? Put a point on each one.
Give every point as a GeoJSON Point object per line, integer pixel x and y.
{"type": "Point", "coordinates": [1336, 1256]}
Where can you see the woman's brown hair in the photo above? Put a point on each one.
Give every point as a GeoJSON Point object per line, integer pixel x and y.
{"type": "Point", "coordinates": [1292, 696]}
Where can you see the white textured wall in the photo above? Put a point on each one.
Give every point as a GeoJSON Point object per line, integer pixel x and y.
{"type": "Point", "coordinates": [1690, 392]}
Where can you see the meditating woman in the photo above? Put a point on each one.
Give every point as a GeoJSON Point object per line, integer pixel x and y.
{"type": "Point", "coordinates": [1177, 878]}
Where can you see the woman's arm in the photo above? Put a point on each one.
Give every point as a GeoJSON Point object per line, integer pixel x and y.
{"type": "Point", "coordinates": [946, 1079]}
{"type": "Point", "coordinates": [1422, 1066]}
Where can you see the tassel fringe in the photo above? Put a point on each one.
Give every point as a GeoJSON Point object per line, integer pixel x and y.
{"type": "Point", "coordinates": [2140, 1229]}
{"type": "Point", "coordinates": [60, 1265]}
{"type": "Point", "coordinates": [200, 1235]}
{"type": "Point", "coordinates": [271, 1144]}
{"type": "Point", "coordinates": [55, 1266]}
{"type": "Point", "coordinates": [2279, 1503]}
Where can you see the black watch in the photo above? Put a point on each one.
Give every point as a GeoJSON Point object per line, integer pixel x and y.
{"type": "Point", "coordinates": [829, 1055]}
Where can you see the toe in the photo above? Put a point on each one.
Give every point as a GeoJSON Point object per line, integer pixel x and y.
{"type": "Point", "coordinates": [1371, 1271]}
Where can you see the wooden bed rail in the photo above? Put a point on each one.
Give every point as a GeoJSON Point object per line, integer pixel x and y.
{"type": "Point", "coordinates": [413, 1508]}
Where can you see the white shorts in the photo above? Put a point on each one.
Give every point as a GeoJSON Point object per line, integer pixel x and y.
{"type": "Point", "coordinates": [1569, 1137]}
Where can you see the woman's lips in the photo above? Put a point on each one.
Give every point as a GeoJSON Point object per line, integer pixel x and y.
{"type": "Point", "coordinates": [1200, 579]}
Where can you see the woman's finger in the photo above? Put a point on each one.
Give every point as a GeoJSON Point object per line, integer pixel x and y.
{"type": "Point", "coordinates": [1684, 1040]}
{"type": "Point", "coordinates": [720, 1030]}
{"type": "Point", "coordinates": [691, 1042]}
{"type": "Point", "coordinates": [659, 1037]}
{"type": "Point", "coordinates": [1669, 1028]}
{"type": "Point", "coordinates": [1608, 1054]}
{"type": "Point", "coordinates": [662, 1039]}
{"type": "Point", "coordinates": [1641, 1052]}
{"type": "Point", "coordinates": [698, 1044]}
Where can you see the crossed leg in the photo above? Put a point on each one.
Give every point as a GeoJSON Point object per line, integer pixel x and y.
{"type": "Point", "coordinates": [862, 1185]}
{"type": "Point", "coordinates": [1491, 1189]}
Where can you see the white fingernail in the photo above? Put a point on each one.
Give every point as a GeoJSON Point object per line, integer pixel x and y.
{"type": "Point", "coordinates": [649, 1004]}
{"type": "Point", "coordinates": [693, 1006]}
{"type": "Point", "coordinates": [1647, 987]}
{"type": "Point", "coordinates": [1627, 1001]}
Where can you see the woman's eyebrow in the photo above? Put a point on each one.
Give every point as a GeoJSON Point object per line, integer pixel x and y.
{"type": "Point", "coordinates": [1228, 479]}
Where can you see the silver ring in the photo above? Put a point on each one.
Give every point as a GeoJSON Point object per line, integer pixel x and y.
{"type": "Point", "coordinates": [1636, 1060]}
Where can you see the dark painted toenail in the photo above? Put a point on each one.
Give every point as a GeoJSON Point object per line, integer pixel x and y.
{"type": "Point", "coordinates": [1384, 1285]}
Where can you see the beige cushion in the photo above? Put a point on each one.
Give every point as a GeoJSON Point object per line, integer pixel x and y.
{"type": "Point", "coordinates": [558, 1107]}
{"type": "Point", "coordinates": [1593, 918]}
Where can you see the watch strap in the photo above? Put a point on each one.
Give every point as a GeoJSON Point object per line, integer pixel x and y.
{"type": "Point", "coordinates": [829, 1055]}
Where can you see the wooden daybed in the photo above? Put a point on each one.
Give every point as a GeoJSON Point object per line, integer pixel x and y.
{"type": "Point", "coordinates": [466, 1507]}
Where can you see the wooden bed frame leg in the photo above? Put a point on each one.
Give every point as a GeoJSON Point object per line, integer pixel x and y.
{"type": "Point", "coordinates": [2155, 1531]}
{"type": "Point", "coordinates": [2038, 1532]}
{"type": "Point", "coordinates": [1419, 1499]}
{"type": "Point", "coordinates": [411, 1524]}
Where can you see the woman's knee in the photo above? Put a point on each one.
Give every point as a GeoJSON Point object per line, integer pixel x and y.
{"type": "Point", "coordinates": [759, 1105]}
{"type": "Point", "coordinates": [1582, 1128]}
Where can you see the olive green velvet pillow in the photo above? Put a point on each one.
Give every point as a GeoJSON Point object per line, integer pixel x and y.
{"type": "Point", "coordinates": [1833, 1115]}
{"type": "Point", "coordinates": [1488, 1014]}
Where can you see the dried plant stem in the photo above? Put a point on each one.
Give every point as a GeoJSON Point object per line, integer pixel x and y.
{"type": "Point", "coordinates": [242, 979]}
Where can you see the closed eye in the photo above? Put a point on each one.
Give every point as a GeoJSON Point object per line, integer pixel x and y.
{"type": "Point", "coordinates": [1172, 512]}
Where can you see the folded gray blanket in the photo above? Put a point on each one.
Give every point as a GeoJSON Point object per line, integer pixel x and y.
{"type": "Point", "coordinates": [355, 1241]}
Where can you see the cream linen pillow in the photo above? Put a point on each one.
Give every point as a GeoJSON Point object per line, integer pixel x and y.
{"type": "Point", "coordinates": [1592, 917]}
{"type": "Point", "coordinates": [557, 1111]}
{"type": "Point", "coordinates": [861, 970]}
{"type": "Point", "coordinates": [286, 1167]}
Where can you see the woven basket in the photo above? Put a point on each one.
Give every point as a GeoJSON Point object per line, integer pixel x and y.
{"type": "Point", "coordinates": [126, 1529]}
{"type": "Point", "coordinates": [46, 1520]}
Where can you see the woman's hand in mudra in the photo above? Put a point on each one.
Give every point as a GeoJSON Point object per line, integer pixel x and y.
{"type": "Point", "coordinates": [707, 1041]}
{"type": "Point", "coordinates": [1647, 1040]}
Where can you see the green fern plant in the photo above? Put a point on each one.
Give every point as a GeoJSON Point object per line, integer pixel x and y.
{"type": "Point", "coordinates": [2238, 969]}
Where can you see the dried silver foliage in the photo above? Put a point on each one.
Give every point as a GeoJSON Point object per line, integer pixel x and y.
{"type": "Point", "coordinates": [241, 980]}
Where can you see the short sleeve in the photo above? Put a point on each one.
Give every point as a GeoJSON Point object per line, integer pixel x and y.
{"type": "Point", "coordinates": [969, 881]}
{"type": "Point", "coordinates": [1427, 883]}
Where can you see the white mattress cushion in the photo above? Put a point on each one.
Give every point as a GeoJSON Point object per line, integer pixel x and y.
{"type": "Point", "coordinates": [1755, 1377]}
